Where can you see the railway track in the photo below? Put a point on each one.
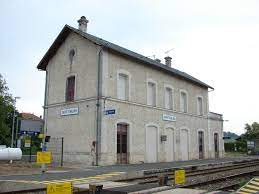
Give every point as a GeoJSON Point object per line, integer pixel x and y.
{"type": "Point", "coordinates": [227, 172]}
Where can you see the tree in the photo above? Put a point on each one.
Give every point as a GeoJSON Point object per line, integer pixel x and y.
{"type": "Point", "coordinates": [252, 131]}
{"type": "Point", "coordinates": [6, 113]}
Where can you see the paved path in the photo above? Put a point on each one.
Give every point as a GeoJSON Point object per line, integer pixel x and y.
{"type": "Point", "coordinates": [89, 174]}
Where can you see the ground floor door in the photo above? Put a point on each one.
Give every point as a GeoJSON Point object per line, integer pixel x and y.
{"type": "Point", "coordinates": [169, 145]}
{"type": "Point", "coordinates": [122, 144]}
{"type": "Point", "coordinates": [216, 145]}
{"type": "Point", "coordinates": [201, 144]}
{"type": "Point", "coordinates": [151, 144]}
{"type": "Point", "coordinates": [184, 144]}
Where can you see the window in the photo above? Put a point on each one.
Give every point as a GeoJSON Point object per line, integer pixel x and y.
{"type": "Point", "coordinates": [183, 102]}
{"type": "Point", "coordinates": [168, 98]}
{"type": "Point", "coordinates": [70, 89]}
{"type": "Point", "coordinates": [200, 106]}
{"type": "Point", "coordinates": [151, 94]}
{"type": "Point", "coordinates": [123, 87]}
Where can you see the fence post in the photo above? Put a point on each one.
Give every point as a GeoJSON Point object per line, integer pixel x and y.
{"type": "Point", "coordinates": [62, 150]}
{"type": "Point", "coordinates": [30, 147]}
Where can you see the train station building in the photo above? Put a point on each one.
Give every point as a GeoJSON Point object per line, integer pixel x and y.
{"type": "Point", "coordinates": [115, 106]}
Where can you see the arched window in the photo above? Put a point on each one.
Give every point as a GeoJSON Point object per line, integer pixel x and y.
{"type": "Point", "coordinates": [151, 93]}
{"type": "Point", "coordinates": [183, 101]}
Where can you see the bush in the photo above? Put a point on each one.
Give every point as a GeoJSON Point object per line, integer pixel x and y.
{"type": "Point", "coordinates": [238, 146]}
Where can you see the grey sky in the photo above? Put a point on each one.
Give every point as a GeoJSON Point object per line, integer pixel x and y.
{"type": "Point", "coordinates": [215, 41]}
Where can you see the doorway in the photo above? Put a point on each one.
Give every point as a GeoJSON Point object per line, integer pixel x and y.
{"type": "Point", "coordinates": [216, 145]}
{"type": "Point", "coordinates": [169, 145]}
{"type": "Point", "coordinates": [184, 143]}
{"type": "Point", "coordinates": [151, 144]}
{"type": "Point", "coordinates": [122, 143]}
{"type": "Point", "coordinates": [201, 144]}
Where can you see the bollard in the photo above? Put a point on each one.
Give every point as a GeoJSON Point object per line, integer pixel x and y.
{"type": "Point", "coordinates": [163, 180]}
{"type": "Point", "coordinates": [95, 188]}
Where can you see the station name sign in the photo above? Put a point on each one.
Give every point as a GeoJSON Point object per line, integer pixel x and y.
{"type": "Point", "coordinates": [69, 111]}
{"type": "Point", "coordinates": [166, 117]}
{"type": "Point", "coordinates": [110, 112]}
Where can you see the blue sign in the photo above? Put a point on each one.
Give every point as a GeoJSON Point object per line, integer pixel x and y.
{"type": "Point", "coordinates": [109, 112]}
{"type": "Point", "coordinates": [29, 132]}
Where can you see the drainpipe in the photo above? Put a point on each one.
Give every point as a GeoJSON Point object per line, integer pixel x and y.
{"type": "Point", "coordinates": [99, 106]}
{"type": "Point", "coordinates": [209, 130]}
{"type": "Point", "coordinates": [43, 166]}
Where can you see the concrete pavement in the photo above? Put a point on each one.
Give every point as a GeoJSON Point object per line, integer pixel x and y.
{"type": "Point", "coordinates": [109, 172]}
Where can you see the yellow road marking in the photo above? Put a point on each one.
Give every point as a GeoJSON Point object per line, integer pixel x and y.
{"type": "Point", "coordinates": [252, 187]}
{"type": "Point", "coordinates": [248, 190]}
{"type": "Point", "coordinates": [86, 179]}
{"type": "Point", "coordinates": [254, 182]}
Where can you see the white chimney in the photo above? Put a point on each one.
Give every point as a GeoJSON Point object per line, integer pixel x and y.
{"type": "Point", "coordinates": [168, 61]}
{"type": "Point", "coordinates": [82, 24]}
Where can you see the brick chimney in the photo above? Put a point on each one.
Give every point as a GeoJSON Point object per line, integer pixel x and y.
{"type": "Point", "coordinates": [82, 24]}
{"type": "Point", "coordinates": [168, 61]}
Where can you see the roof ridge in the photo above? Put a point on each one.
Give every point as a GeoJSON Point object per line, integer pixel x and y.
{"type": "Point", "coordinates": [116, 48]}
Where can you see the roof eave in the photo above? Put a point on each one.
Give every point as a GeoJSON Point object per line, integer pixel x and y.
{"type": "Point", "coordinates": [53, 48]}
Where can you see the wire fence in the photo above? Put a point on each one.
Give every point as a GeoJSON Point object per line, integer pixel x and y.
{"type": "Point", "coordinates": [56, 147]}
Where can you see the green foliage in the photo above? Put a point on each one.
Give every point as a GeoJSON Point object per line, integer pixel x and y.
{"type": "Point", "coordinates": [35, 143]}
{"type": "Point", "coordinates": [252, 131]}
{"type": "Point", "coordinates": [6, 113]}
{"type": "Point", "coordinates": [239, 146]}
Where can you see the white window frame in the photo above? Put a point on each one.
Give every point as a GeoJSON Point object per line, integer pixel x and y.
{"type": "Point", "coordinates": [172, 90]}
{"type": "Point", "coordinates": [155, 83]}
{"type": "Point", "coordinates": [198, 108]}
{"type": "Point", "coordinates": [124, 72]}
{"type": "Point", "coordinates": [187, 99]}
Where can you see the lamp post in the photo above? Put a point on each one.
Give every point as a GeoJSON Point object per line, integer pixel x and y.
{"type": "Point", "coordinates": [15, 98]}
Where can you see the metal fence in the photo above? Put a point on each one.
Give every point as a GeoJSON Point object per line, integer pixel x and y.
{"type": "Point", "coordinates": [56, 147]}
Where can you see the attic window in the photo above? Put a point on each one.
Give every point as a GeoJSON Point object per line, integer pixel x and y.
{"type": "Point", "coordinates": [72, 53]}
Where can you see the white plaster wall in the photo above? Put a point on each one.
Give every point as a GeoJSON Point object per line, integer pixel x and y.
{"type": "Point", "coordinates": [138, 116]}
{"type": "Point", "coordinates": [78, 130]}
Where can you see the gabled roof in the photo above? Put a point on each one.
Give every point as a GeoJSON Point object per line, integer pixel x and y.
{"type": "Point", "coordinates": [118, 49]}
{"type": "Point", "coordinates": [30, 116]}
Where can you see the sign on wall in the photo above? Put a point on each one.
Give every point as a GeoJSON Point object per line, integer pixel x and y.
{"type": "Point", "coordinates": [69, 111]}
{"type": "Point", "coordinates": [166, 117]}
{"type": "Point", "coordinates": [110, 112]}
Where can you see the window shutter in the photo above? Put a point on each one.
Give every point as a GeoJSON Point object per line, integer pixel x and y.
{"type": "Point", "coordinates": [151, 94]}
{"type": "Point", "coordinates": [168, 98]}
{"type": "Point", "coordinates": [123, 87]}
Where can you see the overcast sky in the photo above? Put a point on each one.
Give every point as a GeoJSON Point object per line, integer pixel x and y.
{"type": "Point", "coordinates": [215, 41]}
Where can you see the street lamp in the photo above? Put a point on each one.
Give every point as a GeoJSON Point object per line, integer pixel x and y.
{"type": "Point", "coordinates": [15, 98]}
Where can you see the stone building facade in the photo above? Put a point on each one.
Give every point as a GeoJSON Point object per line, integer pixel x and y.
{"type": "Point", "coordinates": [112, 105]}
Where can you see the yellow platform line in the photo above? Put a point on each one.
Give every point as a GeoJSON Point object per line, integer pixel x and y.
{"type": "Point", "coordinates": [248, 190]}
{"type": "Point", "coordinates": [252, 187]}
{"type": "Point", "coordinates": [86, 179]}
{"type": "Point", "coordinates": [254, 182]}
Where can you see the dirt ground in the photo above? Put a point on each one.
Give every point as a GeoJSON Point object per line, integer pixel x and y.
{"type": "Point", "coordinates": [20, 167]}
